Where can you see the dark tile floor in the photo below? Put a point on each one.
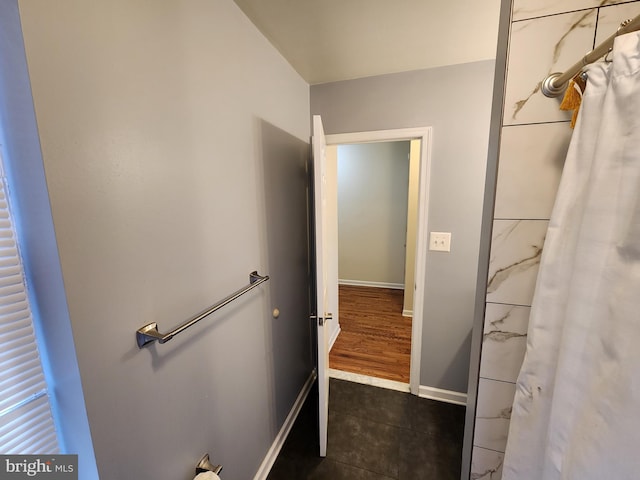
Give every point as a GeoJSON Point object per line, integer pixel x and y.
{"type": "Point", "coordinates": [374, 434]}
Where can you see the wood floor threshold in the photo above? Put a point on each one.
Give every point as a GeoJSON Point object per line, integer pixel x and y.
{"type": "Point", "coordinates": [370, 380]}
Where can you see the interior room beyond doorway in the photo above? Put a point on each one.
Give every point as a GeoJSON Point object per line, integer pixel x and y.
{"type": "Point", "coordinates": [377, 203]}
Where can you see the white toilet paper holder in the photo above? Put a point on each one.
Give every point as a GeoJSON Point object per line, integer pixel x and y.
{"type": "Point", "coordinates": [204, 465]}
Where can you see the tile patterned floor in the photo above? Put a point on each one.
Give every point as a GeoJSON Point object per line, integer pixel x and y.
{"type": "Point", "coordinates": [374, 434]}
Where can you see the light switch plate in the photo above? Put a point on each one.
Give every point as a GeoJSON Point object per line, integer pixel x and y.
{"type": "Point", "coordinates": [440, 241]}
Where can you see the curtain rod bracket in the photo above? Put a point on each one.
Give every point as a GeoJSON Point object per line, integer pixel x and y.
{"type": "Point", "coordinates": [549, 87]}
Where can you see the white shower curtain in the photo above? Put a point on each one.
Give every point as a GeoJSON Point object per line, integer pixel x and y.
{"type": "Point", "coordinates": [576, 412]}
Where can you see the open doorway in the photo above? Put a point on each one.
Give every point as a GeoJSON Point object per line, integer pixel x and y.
{"type": "Point", "coordinates": [388, 289]}
{"type": "Point", "coordinates": [375, 254]}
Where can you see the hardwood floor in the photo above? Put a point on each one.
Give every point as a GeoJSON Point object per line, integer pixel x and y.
{"type": "Point", "coordinates": [375, 338]}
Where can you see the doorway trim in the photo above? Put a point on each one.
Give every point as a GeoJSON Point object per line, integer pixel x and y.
{"type": "Point", "coordinates": [423, 134]}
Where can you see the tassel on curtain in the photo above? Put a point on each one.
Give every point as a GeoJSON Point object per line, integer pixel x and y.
{"type": "Point", "coordinates": [573, 97]}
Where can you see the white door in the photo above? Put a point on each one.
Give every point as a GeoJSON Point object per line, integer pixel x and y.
{"type": "Point", "coordinates": [321, 314]}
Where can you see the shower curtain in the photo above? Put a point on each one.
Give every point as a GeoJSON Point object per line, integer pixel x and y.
{"type": "Point", "coordinates": [576, 412]}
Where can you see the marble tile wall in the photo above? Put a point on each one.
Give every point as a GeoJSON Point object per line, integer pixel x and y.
{"type": "Point", "coordinates": [546, 36]}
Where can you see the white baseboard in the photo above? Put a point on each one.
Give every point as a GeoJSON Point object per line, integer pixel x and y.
{"type": "Point", "coordinates": [367, 380]}
{"type": "Point", "coordinates": [364, 283]}
{"type": "Point", "coordinates": [407, 313]}
{"type": "Point", "coordinates": [334, 337]}
{"type": "Point", "coordinates": [449, 396]}
{"type": "Point", "coordinates": [278, 442]}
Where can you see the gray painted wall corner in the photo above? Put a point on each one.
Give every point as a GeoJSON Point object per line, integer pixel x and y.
{"type": "Point", "coordinates": [486, 229]}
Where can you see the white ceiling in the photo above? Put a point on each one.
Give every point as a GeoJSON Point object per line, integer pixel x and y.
{"type": "Point", "coordinates": [331, 40]}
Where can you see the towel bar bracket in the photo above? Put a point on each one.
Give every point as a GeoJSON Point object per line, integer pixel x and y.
{"type": "Point", "coordinates": [147, 334]}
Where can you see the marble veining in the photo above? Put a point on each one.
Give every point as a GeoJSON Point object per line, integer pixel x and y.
{"type": "Point", "coordinates": [493, 414]}
{"type": "Point", "coordinates": [503, 274]}
{"type": "Point", "coordinates": [486, 464]}
{"type": "Point", "coordinates": [583, 21]}
{"type": "Point", "coordinates": [538, 47]}
{"type": "Point", "coordinates": [521, 103]}
{"type": "Point", "coordinates": [500, 336]}
{"type": "Point", "coordinates": [527, 9]}
{"type": "Point", "coordinates": [496, 334]}
{"type": "Point", "coordinates": [504, 414]}
{"type": "Point", "coordinates": [505, 341]}
{"type": "Point", "coordinates": [503, 234]}
{"type": "Point", "coordinates": [515, 256]}
{"type": "Point", "coordinates": [487, 474]}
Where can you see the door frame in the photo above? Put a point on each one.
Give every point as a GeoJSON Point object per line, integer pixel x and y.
{"type": "Point", "coordinates": [424, 134]}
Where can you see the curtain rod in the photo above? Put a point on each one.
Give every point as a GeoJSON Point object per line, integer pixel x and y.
{"type": "Point", "coordinates": [555, 83]}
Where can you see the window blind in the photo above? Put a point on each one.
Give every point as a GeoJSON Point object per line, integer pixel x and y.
{"type": "Point", "coordinates": [26, 420]}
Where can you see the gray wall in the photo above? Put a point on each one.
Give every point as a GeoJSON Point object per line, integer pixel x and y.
{"type": "Point", "coordinates": [167, 132]}
{"type": "Point", "coordinates": [456, 102]}
{"type": "Point", "coordinates": [373, 188]}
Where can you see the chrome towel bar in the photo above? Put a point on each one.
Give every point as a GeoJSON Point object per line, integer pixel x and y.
{"type": "Point", "coordinates": [149, 333]}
